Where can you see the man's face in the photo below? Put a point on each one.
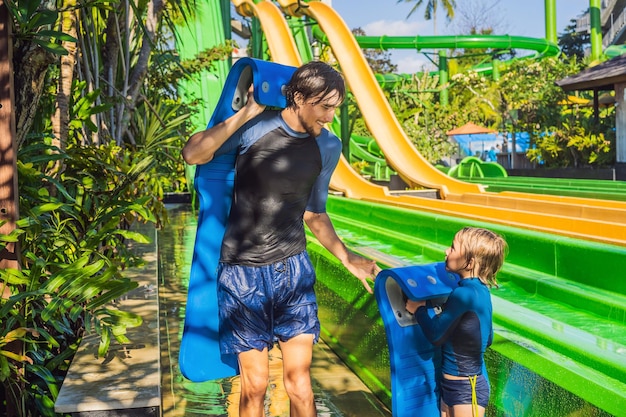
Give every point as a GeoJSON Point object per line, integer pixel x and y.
{"type": "Point", "coordinates": [314, 113]}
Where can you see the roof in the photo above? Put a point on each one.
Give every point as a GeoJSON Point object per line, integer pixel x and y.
{"type": "Point", "coordinates": [469, 128]}
{"type": "Point", "coordinates": [603, 76]}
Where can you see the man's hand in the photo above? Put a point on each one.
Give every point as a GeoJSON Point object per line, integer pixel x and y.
{"type": "Point", "coordinates": [362, 268]}
{"type": "Point", "coordinates": [252, 108]}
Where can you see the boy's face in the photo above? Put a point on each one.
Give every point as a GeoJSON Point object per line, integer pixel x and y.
{"type": "Point", "coordinates": [314, 113]}
{"type": "Point", "coordinates": [455, 259]}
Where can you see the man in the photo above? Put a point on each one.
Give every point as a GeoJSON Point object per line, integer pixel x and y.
{"type": "Point", "coordinates": [265, 286]}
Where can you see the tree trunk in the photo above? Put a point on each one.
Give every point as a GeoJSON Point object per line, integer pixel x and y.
{"type": "Point", "coordinates": [31, 63]}
{"type": "Point", "coordinates": [155, 9]}
{"type": "Point", "coordinates": [61, 116]}
{"type": "Point", "coordinates": [110, 62]}
{"type": "Point", "coordinates": [9, 256]}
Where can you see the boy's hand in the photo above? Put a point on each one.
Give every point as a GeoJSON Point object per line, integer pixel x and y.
{"type": "Point", "coordinates": [412, 306]}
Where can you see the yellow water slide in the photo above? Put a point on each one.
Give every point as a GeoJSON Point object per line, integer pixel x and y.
{"type": "Point", "coordinates": [399, 151]}
{"type": "Point", "coordinates": [280, 41]}
{"type": "Point", "coordinates": [412, 167]}
{"type": "Point", "coordinates": [283, 50]}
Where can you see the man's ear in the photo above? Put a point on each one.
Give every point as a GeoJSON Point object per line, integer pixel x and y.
{"type": "Point", "coordinates": [298, 99]}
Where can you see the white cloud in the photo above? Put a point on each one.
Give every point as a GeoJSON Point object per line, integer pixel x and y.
{"type": "Point", "coordinates": [412, 62]}
{"type": "Point", "coordinates": [394, 28]}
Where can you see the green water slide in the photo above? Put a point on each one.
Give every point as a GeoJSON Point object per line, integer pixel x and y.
{"type": "Point", "coordinates": [472, 168]}
{"type": "Point", "coordinates": [559, 311]}
{"type": "Point", "coordinates": [541, 47]}
{"type": "Point", "coordinates": [366, 150]}
{"type": "Point", "coordinates": [496, 180]}
{"type": "Point", "coordinates": [209, 28]}
{"type": "Point", "coordinates": [584, 188]}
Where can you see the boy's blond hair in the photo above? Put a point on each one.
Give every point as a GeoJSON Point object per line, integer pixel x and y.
{"type": "Point", "coordinates": [486, 248]}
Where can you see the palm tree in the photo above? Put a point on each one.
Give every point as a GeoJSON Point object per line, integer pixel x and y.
{"type": "Point", "coordinates": [430, 11]}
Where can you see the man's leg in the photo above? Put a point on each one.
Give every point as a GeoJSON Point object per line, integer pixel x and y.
{"type": "Point", "coordinates": [297, 356]}
{"type": "Point", "coordinates": [254, 374]}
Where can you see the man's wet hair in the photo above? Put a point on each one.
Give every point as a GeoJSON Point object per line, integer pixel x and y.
{"type": "Point", "coordinates": [314, 79]}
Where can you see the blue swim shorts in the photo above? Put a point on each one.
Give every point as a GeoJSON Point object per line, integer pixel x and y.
{"type": "Point", "coordinates": [259, 305]}
{"type": "Point", "coordinates": [457, 392]}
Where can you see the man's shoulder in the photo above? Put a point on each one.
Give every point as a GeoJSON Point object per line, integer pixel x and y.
{"type": "Point", "coordinates": [268, 117]}
{"type": "Point", "coordinates": [262, 123]}
{"type": "Point", "coordinates": [329, 142]}
{"type": "Point", "coordinates": [329, 137]}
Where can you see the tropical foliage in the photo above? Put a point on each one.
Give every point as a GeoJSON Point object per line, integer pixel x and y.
{"type": "Point", "coordinates": [431, 6]}
{"type": "Point", "coordinates": [73, 234]}
{"type": "Point", "coordinates": [430, 9]}
{"type": "Point", "coordinates": [524, 98]}
{"type": "Point", "coordinates": [99, 130]}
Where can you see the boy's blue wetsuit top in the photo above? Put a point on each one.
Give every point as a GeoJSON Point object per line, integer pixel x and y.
{"type": "Point", "coordinates": [280, 173]}
{"type": "Point", "coordinates": [464, 328]}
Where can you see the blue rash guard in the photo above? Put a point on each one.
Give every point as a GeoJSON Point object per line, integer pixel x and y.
{"type": "Point", "coordinates": [279, 173]}
{"type": "Point", "coordinates": [464, 328]}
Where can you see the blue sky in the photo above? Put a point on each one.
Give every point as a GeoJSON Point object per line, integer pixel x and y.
{"type": "Point", "coordinates": [388, 17]}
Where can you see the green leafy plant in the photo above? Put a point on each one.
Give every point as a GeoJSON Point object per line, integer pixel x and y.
{"type": "Point", "coordinates": [32, 23]}
{"type": "Point", "coordinates": [73, 236]}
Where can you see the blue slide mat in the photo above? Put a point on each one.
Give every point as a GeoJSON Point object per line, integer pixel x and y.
{"type": "Point", "coordinates": [199, 357]}
{"type": "Point", "coordinates": [415, 362]}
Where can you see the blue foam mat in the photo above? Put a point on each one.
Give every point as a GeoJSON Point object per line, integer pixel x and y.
{"type": "Point", "coordinates": [415, 362]}
{"type": "Point", "coordinates": [199, 357]}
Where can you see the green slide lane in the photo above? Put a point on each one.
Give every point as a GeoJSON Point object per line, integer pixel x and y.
{"type": "Point", "coordinates": [598, 189]}
{"type": "Point", "coordinates": [496, 180]}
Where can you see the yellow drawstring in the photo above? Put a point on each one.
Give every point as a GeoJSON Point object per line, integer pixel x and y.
{"type": "Point", "coordinates": [472, 380]}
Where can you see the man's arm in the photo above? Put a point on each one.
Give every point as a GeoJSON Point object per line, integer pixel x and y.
{"type": "Point", "coordinates": [201, 146]}
{"type": "Point", "coordinates": [322, 228]}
